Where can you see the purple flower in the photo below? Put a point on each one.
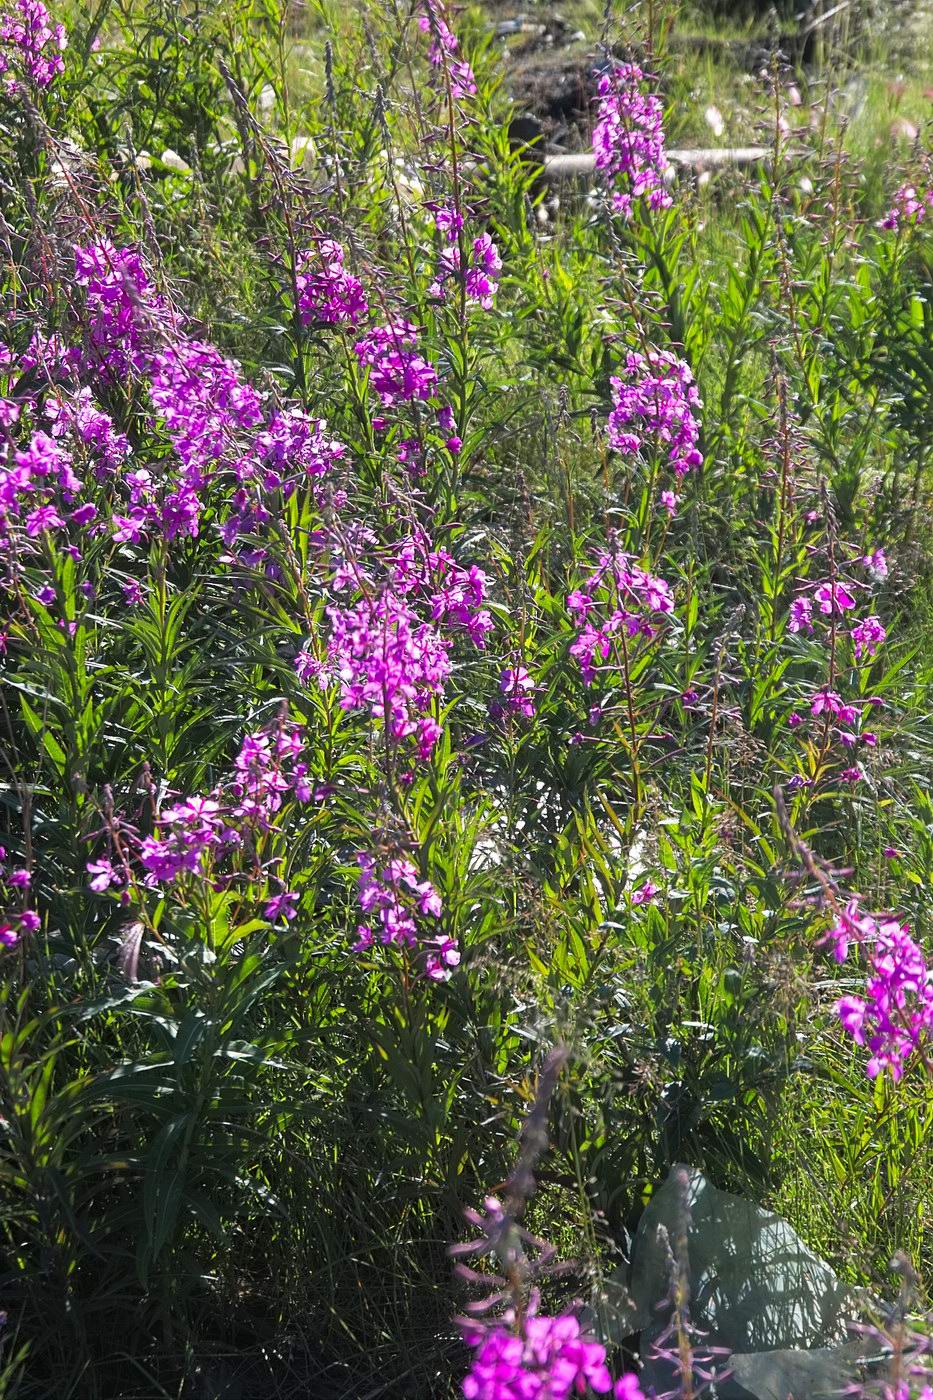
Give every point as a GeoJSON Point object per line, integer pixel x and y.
{"type": "Point", "coordinates": [397, 373]}
{"type": "Point", "coordinates": [120, 302]}
{"type": "Point", "coordinates": [645, 894]}
{"type": "Point", "coordinates": [628, 140]}
{"type": "Point", "coordinates": [448, 222]}
{"type": "Point", "coordinates": [826, 702]}
{"type": "Point", "coordinates": [552, 1360]}
{"type": "Point", "coordinates": [327, 293]}
{"type": "Point", "coordinates": [128, 527]}
{"type": "Point", "coordinates": [517, 688]}
{"type": "Point", "coordinates": [31, 43]}
{"type": "Point", "coordinates": [895, 1017]}
{"type": "Point", "coordinates": [441, 956]}
{"type": "Point", "coordinates": [443, 39]}
{"type": "Point", "coordinates": [622, 597]}
{"type": "Point", "coordinates": [389, 651]}
{"type": "Point", "coordinates": [102, 875]}
{"type": "Point", "coordinates": [395, 901]}
{"type": "Point", "coordinates": [281, 906]}
{"type": "Point", "coordinates": [833, 597]}
{"type": "Point", "coordinates": [908, 208]}
{"type": "Point", "coordinates": [390, 663]}
{"type": "Point", "coordinates": [482, 275]}
{"type": "Point", "coordinates": [850, 926]}
{"type": "Point", "coordinates": [876, 564]}
{"type": "Point", "coordinates": [579, 605]}
{"type": "Point", "coordinates": [41, 519]}
{"type": "Point", "coordinates": [867, 636]}
{"type": "Point", "coordinates": [441, 54]}
{"type": "Point", "coordinates": [292, 439]}
{"type": "Point", "coordinates": [197, 833]}
{"type": "Point", "coordinates": [93, 428]}
{"type": "Point", "coordinates": [655, 402]}
{"type": "Point", "coordinates": [627, 1388]}
{"type": "Point", "coordinates": [801, 615]}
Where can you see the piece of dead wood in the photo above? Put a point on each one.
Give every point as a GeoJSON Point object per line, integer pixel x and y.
{"type": "Point", "coordinates": [576, 167]}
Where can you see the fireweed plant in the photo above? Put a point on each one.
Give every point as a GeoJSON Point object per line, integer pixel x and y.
{"type": "Point", "coordinates": [435, 630]}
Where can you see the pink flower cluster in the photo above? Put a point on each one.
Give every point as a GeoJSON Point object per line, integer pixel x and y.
{"type": "Point", "coordinates": [15, 921]}
{"type": "Point", "coordinates": [205, 408]}
{"type": "Point", "coordinates": [454, 595]}
{"type": "Point", "coordinates": [618, 596]}
{"type": "Point", "coordinates": [628, 139]}
{"type": "Point", "coordinates": [327, 293]}
{"type": "Point", "coordinates": [443, 53]}
{"type": "Point", "coordinates": [829, 702]}
{"type": "Point", "coordinates": [397, 900]}
{"type": "Point", "coordinates": [834, 600]}
{"type": "Point", "coordinates": [517, 689]}
{"type": "Point", "coordinates": [216, 422]}
{"type": "Point", "coordinates": [894, 1019]}
{"type": "Point", "coordinates": [390, 663]}
{"type": "Point", "coordinates": [31, 44]}
{"type": "Point", "coordinates": [645, 893]}
{"type": "Point", "coordinates": [830, 705]}
{"type": "Point", "coordinates": [481, 277]}
{"type": "Point", "coordinates": [876, 563]}
{"type": "Point", "coordinates": [40, 491]}
{"type": "Point", "coordinates": [656, 403]}
{"type": "Point", "coordinates": [909, 208]}
{"type": "Point", "coordinates": [90, 427]}
{"type": "Point", "coordinates": [387, 651]}
{"type": "Point", "coordinates": [867, 636]}
{"type": "Point", "coordinates": [552, 1358]}
{"type": "Point", "coordinates": [121, 309]}
{"type": "Point", "coordinates": [215, 419]}
{"type": "Point", "coordinates": [196, 832]}
{"type": "Point", "coordinates": [397, 372]}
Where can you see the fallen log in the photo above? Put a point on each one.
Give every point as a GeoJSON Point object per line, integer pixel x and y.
{"type": "Point", "coordinates": [578, 167]}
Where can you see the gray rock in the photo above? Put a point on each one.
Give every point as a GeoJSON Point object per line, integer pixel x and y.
{"type": "Point", "coordinates": [754, 1284]}
{"type": "Point", "coordinates": [821, 1374]}
{"type": "Point", "coordinates": [779, 1314]}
